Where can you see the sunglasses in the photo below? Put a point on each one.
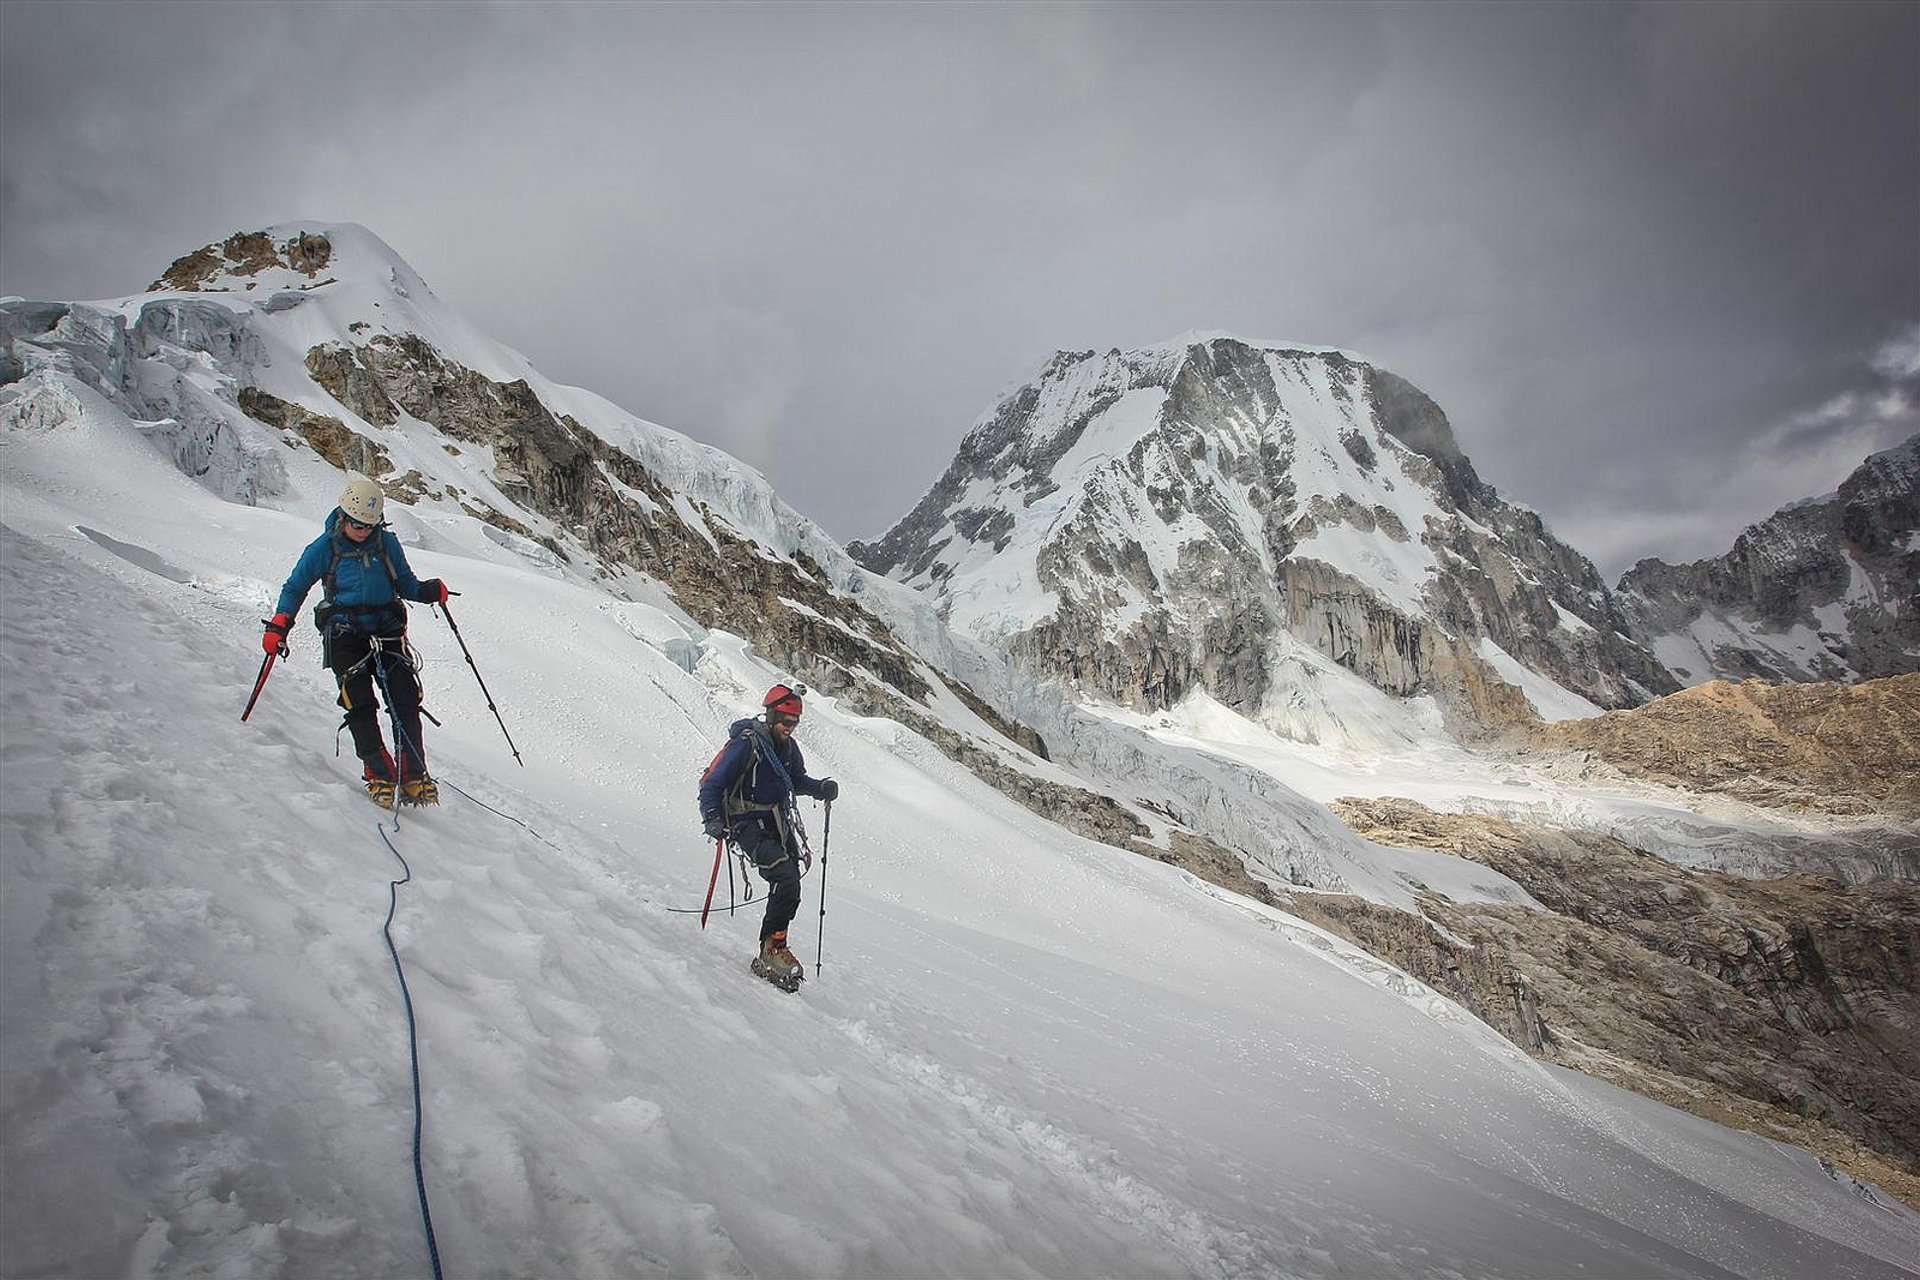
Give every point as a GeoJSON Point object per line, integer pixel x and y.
{"type": "Point", "coordinates": [782, 718]}
{"type": "Point", "coordinates": [351, 523]}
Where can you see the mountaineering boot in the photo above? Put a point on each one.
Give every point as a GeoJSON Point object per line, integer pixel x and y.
{"type": "Point", "coordinates": [419, 789]}
{"type": "Point", "coordinates": [380, 791]}
{"type": "Point", "coordinates": [378, 772]}
{"type": "Point", "coordinates": [776, 964]}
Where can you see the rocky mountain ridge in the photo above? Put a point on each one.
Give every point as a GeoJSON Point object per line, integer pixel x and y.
{"type": "Point", "coordinates": [1148, 523]}
{"type": "Point", "coordinates": [1823, 589]}
{"type": "Point", "coordinates": [1143, 524]}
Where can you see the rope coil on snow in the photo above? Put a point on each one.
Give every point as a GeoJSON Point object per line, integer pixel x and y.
{"type": "Point", "coordinates": [413, 1051]}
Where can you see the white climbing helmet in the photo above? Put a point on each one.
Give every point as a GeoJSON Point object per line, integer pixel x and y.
{"type": "Point", "coordinates": [362, 500]}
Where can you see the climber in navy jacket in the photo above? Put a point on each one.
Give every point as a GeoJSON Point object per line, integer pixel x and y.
{"type": "Point", "coordinates": [746, 796]}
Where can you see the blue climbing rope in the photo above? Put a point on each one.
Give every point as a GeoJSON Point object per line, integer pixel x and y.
{"type": "Point", "coordinates": [401, 740]}
{"type": "Point", "coordinates": [413, 1051]}
{"type": "Point", "coordinates": [763, 745]}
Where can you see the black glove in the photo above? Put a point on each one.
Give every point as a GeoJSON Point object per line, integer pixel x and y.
{"type": "Point", "coordinates": [434, 591]}
{"type": "Point", "coordinates": [715, 827]}
{"type": "Point", "coordinates": [829, 790]}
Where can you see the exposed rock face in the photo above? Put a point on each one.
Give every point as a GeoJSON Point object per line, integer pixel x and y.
{"type": "Point", "coordinates": [1153, 522]}
{"type": "Point", "coordinates": [245, 253]}
{"type": "Point", "coordinates": [338, 368]}
{"type": "Point", "coordinates": [329, 437]}
{"type": "Point", "coordinates": [553, 466]}
{"type": "Point", "coordinates": [1826, 589]}
{"type": "Point", "coordinates": [1400, 655]}
{"type": "Point", "coordinates": [1840, 749]}
{"type": "Point", "coordinates": [1790, 1006]}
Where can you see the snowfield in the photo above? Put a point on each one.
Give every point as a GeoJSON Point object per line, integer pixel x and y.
{"type": "Point", "coordinates": [1018, 1053]}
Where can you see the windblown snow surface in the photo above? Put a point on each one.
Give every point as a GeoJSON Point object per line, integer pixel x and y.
{"type": "Point", "coordinates": [1018, 1053]}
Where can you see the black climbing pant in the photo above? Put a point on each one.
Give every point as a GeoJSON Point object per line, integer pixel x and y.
{"type": "Point", "coordinates": [362, 668]}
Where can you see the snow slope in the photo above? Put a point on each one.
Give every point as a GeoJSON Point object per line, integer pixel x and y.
{"type": "Point", "coordinates": [1025, 1055]}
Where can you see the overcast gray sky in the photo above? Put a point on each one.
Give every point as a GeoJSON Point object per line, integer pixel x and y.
{"type": "Point", "coordinates": [1659, 263]}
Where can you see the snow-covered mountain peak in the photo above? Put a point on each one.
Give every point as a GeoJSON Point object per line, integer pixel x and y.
{"type": "Point", "coordinates": [1247, 430]}
{"type": "Point", "coordinates": [318, 283]}
{"type": "Point", "coordinates": [1149, 522]}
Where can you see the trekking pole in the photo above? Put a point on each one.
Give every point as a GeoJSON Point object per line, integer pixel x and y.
{"type": "Point", "coordinates": [266, 669]}
{"type": "Point", "coordinates": [719, 851]}
{"type": "Point", "coordinates": [447, 613]}
{"type": "Point", "coordinates": [826, 832]}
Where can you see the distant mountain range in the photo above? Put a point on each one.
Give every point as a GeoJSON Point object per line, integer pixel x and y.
{"type": "Point", "coordinates": [1823, 589]}
{"type": "Point", "coordinates": [1211, 515]}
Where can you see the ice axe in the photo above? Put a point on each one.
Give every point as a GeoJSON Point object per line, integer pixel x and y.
{"type": "Point", "coordinates": [266, 669]}
{"type": "Point", "coordinates": [719, 852]}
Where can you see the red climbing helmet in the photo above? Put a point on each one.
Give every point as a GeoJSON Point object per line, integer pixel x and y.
{"type": "Point", "coordinates": [784, 700]}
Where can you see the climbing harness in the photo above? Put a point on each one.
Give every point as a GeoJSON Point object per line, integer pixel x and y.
{"type": "Point", "coordinates": [786, 814]}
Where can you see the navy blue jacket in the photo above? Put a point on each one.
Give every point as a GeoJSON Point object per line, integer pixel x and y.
{"type": "Point", "coordinates": [370, 580]}
{"type": "Point", "coordinates": [742, 762]}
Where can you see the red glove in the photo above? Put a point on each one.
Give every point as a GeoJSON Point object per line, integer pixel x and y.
{"type": "Point", "coordinates": [275, 639]}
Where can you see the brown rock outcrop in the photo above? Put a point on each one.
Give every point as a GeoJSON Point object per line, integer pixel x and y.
{"type": "Point", "coordinates": [331, 438]}
{"type": "Point", "coordinates": [245, 253]}
{"type": "Point", "coordinates": [1834, 748]}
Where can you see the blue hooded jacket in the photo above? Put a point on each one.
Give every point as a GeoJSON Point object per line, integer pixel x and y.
{"type": "Point", "coordinates": [370, 579]}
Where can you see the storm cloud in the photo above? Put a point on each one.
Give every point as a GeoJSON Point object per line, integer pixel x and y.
{"type": "Point", "coordinates": [1659, 263]}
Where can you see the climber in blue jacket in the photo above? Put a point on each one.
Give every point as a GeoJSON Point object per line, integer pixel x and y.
{"type": "Point", "coordinates": [363, 636]}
